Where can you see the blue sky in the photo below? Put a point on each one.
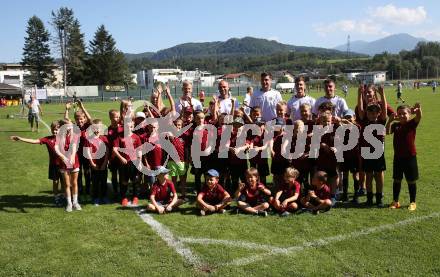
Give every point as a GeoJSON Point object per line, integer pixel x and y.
{"type": "Point", "coordinates": [140, 26]}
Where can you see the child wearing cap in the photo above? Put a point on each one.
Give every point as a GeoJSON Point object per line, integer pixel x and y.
{"type": "Point", "coordinates": [405, 160]}
{"type": "Point", "coordinates": [163, 195]}
{"type": "Point", "coordinates": [213, 198]}
{"type": "Point", "coordinates": [287, 196]}
{"type": "Point", "coordinates": [318, 199]}
{"type": "Point", "coordinates": [252, 194]}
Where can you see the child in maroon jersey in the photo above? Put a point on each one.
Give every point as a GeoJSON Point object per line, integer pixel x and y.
{"type": "Point", "coordinates": [98, 149]}
{"type": "Point", "coordinates": [66, 148]}
{"type": "Point", "coordinates": [405, 160]}
{"type": "Point", "coordinates": [163, 196]}
{"type": "Point", "coordinates": [237, 164]}
{"type": "Point", "coordinates": [252, 194]}
{"type": "Point", "coordinates": [213, 198]}
{"type": "Point", "coordinates": [257, 143]}
{"type": "Point", "coordinates": [83, 120]}
{"type": "Point", "coordinates": [178, 168]}
{"type": "Point", "coordinates": [287, 196]}
{"type": "Point", "coordinates": [318, 199]}
{"type": "Point", "coordinates": [127, 169]}
{"type": "Point", "coordinates": [54, 172]}
{"type": "Point", "coordinates": [114, 131]}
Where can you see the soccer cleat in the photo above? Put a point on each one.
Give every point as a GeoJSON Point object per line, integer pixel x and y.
{"type": "Point", "coordinates": [69, 208]}
{"type": "Point", "coordinates": [124, 202]}
{"type": "Point", "coordinates": [361, 191]}
{"type": "Point", "coordinates": [202, 213]}
{"type": "Point", "coordinates": [221, 211]}
{"type": "Point", "coordinates": [77, 207]}
{"type": "Point", "coordinates": [316, 212]}
{"type": "Point", "coordinates": [395, 205]}
{"type": "Point", "coordinates": [262, 213]}
{"type": "Point", "coordinates": [285, 213]}
{"type": "Point", "coordinates": [135, 201]}
{"type": "Point", "coordinates": [412, 206]}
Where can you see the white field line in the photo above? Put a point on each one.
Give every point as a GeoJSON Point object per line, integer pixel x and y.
{"type": "Point", "coordinates": [165, 234]}
{"type": "Point", "coordinates": [329, 240]}
{"type": "Point", "coordinates": [233, 243]}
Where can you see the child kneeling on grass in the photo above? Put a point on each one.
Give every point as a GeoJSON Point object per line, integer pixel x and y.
{"type": "Point", "coordinates": [163, 194]}
{"type": "Point", "coordinates": [251, 196]}
{"type": "Point", "coordinates": [213, 198]}
{"type": "Point", "coordinates": [318, 199]}
{"type": "Point", "coordinates": [285, 200]}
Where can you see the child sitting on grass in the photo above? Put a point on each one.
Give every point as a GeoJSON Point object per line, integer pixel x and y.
{"type": "Point", "coordinates": [318, 199]}
{"type": "Point", "coordinates": [251, 195]}
{"type": "Point", "coordinates": [405, 160]}
{"type": "Point", "coordinates": [163, 194]}
{"type": "Point", "coordinates": [213, 198]}
{"type": "Point", "coordinates": [285, 200]}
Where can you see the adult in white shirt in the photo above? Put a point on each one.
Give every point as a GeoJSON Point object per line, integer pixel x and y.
{"type": "Point", "coordinates": [225, 99]}
{"type": "Point", "coordinates": [294, 103]}
{"type": "Point", "coordinates": [247, 100]}
{"type": "Point", "coordinates": [266, 98]}
{"type": "Point", "coordinates": [340, 106]}
{"type": "Point", "coordinates": [34, 112]}
{"type": "Point", "coordinates": [187, 100]}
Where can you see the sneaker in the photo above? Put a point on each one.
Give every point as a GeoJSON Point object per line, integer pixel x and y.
{"type": "Point", "coordinates": [77, 207]}
{"type": "Point", "coordinates": [395, 205]}
{"type": "Point", "coordinates": [361, 191]}
{"type": "Point", "coordinates": [96, 202]}
{"type": "Point", "coordinates": [333, 201]}
{"type": "Point", "coordinates": [355, 201]}
{"type": "Point", "coordinates": [135, 201]}
{"type": "Point", "coordinates": [222, 211]}
{"type": "Point", "coordinates": [124, 202]}
{"type": "Point", "coordinates": [380, 204]}
{"type": "Point", "coordinates": [262, 213]}
{"type": "Point", "coordinates": [284, 214]}
{"type": "Point", "coordinates": [412, 206]}
{"type": "Point", "coordinates": [369, 202]}
{"type": "Point", "coordinates": [69, 208]}
{"type": "Point", "coordinates": [202, 212]}
{"type": "Point", "coordinates": [315, 212]}
{"type": "Point", "coordinates": [344, 197]}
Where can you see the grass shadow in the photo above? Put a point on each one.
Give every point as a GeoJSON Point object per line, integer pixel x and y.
{"type": "Point", "coordinates": [20, 203]}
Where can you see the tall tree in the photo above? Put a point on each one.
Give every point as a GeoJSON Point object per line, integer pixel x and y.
{"type": "Point", "coordinates": [36, 53]}
{"type": "Point", "coordinates": [107, 65]}
{"type": "Point", "coordinates": [76, 56]}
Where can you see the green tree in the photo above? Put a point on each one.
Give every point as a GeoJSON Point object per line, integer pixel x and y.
{"type": "Point", "coordinates": [76, 56]}
{"type": "Point", "coordinates": [36, 53]}
{"type": "Point", "coordinates": [106, 65]}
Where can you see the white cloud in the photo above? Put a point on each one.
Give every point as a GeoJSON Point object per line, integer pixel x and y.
{"type": "Point", "coordinates": [274, 38]}
{"type": "Point", "coordinates": [432, 34]}
{"type": "Point", "coordinates": [399, 16]}
{"type": "Point", "coordinates": [365, 27]}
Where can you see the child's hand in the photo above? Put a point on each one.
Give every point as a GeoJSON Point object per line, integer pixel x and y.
{"type": "Point", "coordinates": [14, 138]}
{"type": "Point", "coordinates": [416, 107]}
{"type": "Point", "coordinates": [68, 105]}
{"type": "Point", "coordinates": [169, 208]}
{"type": "Point", "coordinates": [381, 90]}
{"type": "Point", "coordinates": [241, 186]}
{"type": "Point", "coordinates": [160, 210]}
{"type": "Point", "coordinates": [284, 204]}
{"type": "Point", "coordinates": [124, 161]}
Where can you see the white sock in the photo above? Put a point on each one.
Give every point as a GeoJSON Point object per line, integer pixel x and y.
{"type": "Point", "coordinates": [69, 201]}
{"type": "Point", "coordinates": [75, 199]}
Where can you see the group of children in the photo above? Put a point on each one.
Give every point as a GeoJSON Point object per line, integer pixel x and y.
{"type": "Point", "coordinates": [307, 182]}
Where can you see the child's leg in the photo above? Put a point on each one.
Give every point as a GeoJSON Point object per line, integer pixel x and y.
{"type": "Point", "coordinates": [226, 202]}
{"type": "Point", "coordinates": [182, 184]}
{"type": "Point", "coordinates": [87, 175]}
{"type": "Point", "coordinates": [397, 184]}
{"type": "Point", "coordinates": [379, 178]}
{"type": "Point", "coordinates": [323, 205]}
{"type": "Point", "coordinates": [345, 176]}
{"type": "Point", "coordinates": [74, 183]}
{"type": "Point", "coordinates": [66, 177]}
{"type": "Point", "coordinates": [151, 208]}
{"type": "Point", "coordinates": [246, 207]}
{"type": "Point", "coordinates": [412, 189]}
{"type": "Point", "coordinates": [276, 204]}
{"type": "Point", "coordinates": [369, 185]}
{"type": "Point", "coordinates": [178, 203]}
{"type": "Point", "coordinates": [114, 172]}
{"type": "Point", "coordinates": [103, 185]}
{"type": "Point", "coordinates": [262, 207]}
{"type": "Point", "coordinates": [96, 183]}
{"type": "Point", "coordinates": [292, 206]}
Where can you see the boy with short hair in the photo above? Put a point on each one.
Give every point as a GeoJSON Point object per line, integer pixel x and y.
{"type": "Point", "coordinates": [213, 198]}
{"type": "Point", "coordinates": [318, 199]}
{"type": "Point", "coordinates": [285, 200]}
{"type": "Point", "coordinates": [405, 160]}
{"type": "Point", "coordinates": [114, 131]}
{"type": "Point", "coordinates": [163, 194]}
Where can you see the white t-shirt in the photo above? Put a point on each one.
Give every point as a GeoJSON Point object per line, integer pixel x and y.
{"type": "Point", "coordinates": [226, 105]}
{"type": "Point", "coordinates": [267, 101]}
{"type": "Point", "coordinates": [247, 101]}
{"type": "Point", "coordinates": [35, 106]}
{"type": "Point", "coordinates": [294, 104]}
{"type": "Point", "coordinates": [196, 104]}
{"type": "Point", "coordinates": [340, 105]}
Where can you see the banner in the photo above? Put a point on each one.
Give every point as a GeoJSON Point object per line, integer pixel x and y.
{"type": "Point", "coordinates": [114, 88]}
{"type": "Point", "coordinates": [41, 93]}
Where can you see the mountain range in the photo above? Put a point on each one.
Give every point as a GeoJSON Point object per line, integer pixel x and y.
{"type": "Point", "coordinates": [391, 44]}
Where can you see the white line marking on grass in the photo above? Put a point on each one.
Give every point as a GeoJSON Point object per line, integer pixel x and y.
{"type": "Point", "coordinates": [233, 243]}
{"type": "Point", "coordinates": [329, 240]}
{"type": "Point", "coordinates": [165, 234]}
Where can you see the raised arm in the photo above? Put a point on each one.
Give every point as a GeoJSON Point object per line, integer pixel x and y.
{"type": "Point", "coordinates": [388, 128]}
{"type": "Point", "coordinates": [31, 141]}
{"type": "Point", "coordinates": [81, 105]}
{"type": "Point", "coordinates": [66, 112]}
{"type": "Point", "coordinates": [171, 99]}
{"type": "Point", "coordinates": [417, 110]}
{"type": "Point", "coordinates": [383, 104]}
{"type": "Point", "coordinates": [360, 102]}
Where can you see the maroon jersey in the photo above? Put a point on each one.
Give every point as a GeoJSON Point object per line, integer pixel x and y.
{"type": "Point", "coordinates": [253, 196]}
{"type": "Point", "coordinates": [50, 142]}
{"type": "Point", "coordinates": [404, 139]}
{"type": "Point", "coordinates": [163, 192]}
{"type": "Point", "coordinates": [114, 132]}
{"type": "Point", "coordinates": [83, 139]}
{"type": "Point", "coordinates": [98, 143]}
{"type": "Point", "coordinates": [323, 193]}
{"type": "Point", "coordinates": [212, 196]}
{"type": "Point", "coordinates": [129, 144]}
{"type": "Point", "coordinates": [290, 190]}
{"type": "Point", "coordinates": [355, 153]}
{"type": "Point", "coordinates": [380, 137]}
{"type": "Point", "coordinates": [327, 158]}
{"type": "Point", "coordinates": [69, 139]}
{"type": "Point", "coordinates": [179, 145]}
{"type": "Point", "coordinates": [234, 159]}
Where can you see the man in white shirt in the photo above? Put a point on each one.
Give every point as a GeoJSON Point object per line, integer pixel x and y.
{"type": "Point", "coordinates": [247, 100]}
{"type": "Point", "coordinates": [187, 99]}
{"type": "Point", "coordinates": [294, 103]}
{"type": "Point", "coordinates": [34, 112]}
{"type": "Point", "coordinates": [266, 98]}
{"type": "Point", "coordinates": [225, 99]}
{"type": "Point", "coordinates": [340, 106]}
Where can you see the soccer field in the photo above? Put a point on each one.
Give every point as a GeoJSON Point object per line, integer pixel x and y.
{"type": "Point", "coordinates": [36, 238]}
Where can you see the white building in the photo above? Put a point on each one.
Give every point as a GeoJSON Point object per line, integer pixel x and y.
{"type": "Point", "coordinates": [14, 74]}
{"type": "Point", "coordinates": [147, 78]}
{"type": "Point", "coordinates": [373, 77]}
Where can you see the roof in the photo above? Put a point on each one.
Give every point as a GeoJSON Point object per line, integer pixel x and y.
{"type": "Point", "coordinates": [234, 75]}
{"type": "Point", "coordinates": [6, 89]}
{"type": "Point", "coordinates": [372, 72]}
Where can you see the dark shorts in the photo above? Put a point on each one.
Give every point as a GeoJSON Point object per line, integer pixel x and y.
{"type": "Point", "coordinates": [128, 172]}
{"type": "Point", "coordinates": [262, 166]}
{"type": "Point", "coordinates": [374, 165]}
{"type": "Point", "coordinates": [407, 166]}
{"type": "Point", "coordinates": [351, 164]}
{"type": "Point", "coordinates": [54, 172]}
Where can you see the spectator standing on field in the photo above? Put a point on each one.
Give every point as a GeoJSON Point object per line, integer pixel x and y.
{"type": "Point", "coordinates": [266, 98]}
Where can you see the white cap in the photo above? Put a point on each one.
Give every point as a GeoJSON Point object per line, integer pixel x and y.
{"type": "Point", "coordinates": [140, 114]}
